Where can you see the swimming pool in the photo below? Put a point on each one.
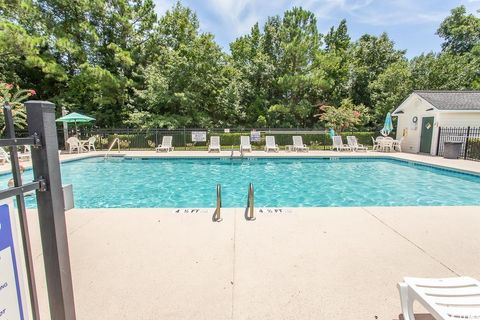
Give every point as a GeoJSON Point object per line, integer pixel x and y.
{"type": "Point", "coordinates": [278, 182]}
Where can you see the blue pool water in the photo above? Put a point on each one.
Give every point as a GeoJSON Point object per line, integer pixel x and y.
{"type": "Point", "coordinates": [307, 182]}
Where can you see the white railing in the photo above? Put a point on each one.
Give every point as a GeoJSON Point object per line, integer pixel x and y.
{"type": "Point", "coordinates": [117, 140]}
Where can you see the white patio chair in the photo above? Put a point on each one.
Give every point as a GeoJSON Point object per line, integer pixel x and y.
{"type": "Point", "coordinates": [91, 143]}
{"type": "Point", "coordinates": [166, 144]}
{"type": "Point", "coordinates": [74, 144]}
{"type": "Point", "coordinates": [298, 144]}
{"type": "Point", "coordinates": [354, 145]}
{"type": "Point", "coordinates": [245, 144]}
{"type": "Point", "coordinates": [447, 298]}
{"type": "Point", "coordinates": [270, 144]}
{"type": "Point", "coordinates": [214, 143]}
{"type": "Point", "coordinates": [4, 156]}
{"type": "Point", "coordinates": [339, 145]}
{"type": "Point", "coordinates": [397, 144]}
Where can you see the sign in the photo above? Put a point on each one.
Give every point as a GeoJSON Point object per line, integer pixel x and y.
{"type": "Point", "coordinates": [199, 136]}
{"type": "Point", "coordinates": [10, 296]}
{"type": "Point", "coordinates": [255, 136]}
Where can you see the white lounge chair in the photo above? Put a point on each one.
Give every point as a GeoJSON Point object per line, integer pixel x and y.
{"type": "Point", "coordinates": [214, 143]}
{"type": "Point", "coordinates": [91, 143]}
{"type": "Point", "coordinates": [447, 298]}
{"type": "Point", "coordinates": [74, 144]}
{"type": "Point", "coordinates": [166, 144]}
{"type": "Point", "coordinates": [245, 144]}
{"type": "Point", "coordinates": [339, 145]}
{"type": "Point", "coordinates": [4, 156]}
{"type": "Point", "coordinates": [354, 145]}
{"type": "Point", "coordinates": [298, 144]}
{"type": "Point", "coordinates": [270, 144]}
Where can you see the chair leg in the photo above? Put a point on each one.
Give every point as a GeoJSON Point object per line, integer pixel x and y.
{"type": "Point", "coordinates": [406, 302]}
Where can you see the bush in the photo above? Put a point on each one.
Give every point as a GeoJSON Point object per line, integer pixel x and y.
{"type": "Point", "coordinates": [473, 150]}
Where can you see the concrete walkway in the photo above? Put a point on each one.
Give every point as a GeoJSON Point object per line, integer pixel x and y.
{"type": "Point", "coordinates": [311, 263]}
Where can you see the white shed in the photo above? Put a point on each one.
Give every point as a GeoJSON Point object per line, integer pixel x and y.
{"type": "Point", "coordinates": [423, 112]}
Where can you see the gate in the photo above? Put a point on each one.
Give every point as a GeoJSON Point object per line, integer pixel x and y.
{"type": "Point", "coordinates": [42, 137]}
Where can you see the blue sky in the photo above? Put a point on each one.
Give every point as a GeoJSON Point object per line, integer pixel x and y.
{"type": "Point", "coordinates": [411, 24]}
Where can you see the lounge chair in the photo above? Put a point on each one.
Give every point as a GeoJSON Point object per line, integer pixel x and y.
{"type": "Point", "coordinates": [214, 144]}
{"type": "Point", "coordinates": [270, 144]}
{"type": "Point", "coordinates": [74, 144]}
{"type": "Point", "coordinates": [245, 144]}
{"type": "Point", "coordinates": [4, 156]}
{"type": "Point", "coordinates": [298, 144]}
{"type": "Point", "coordinates": [166, 144]}
{"type": "Point", "coordinates": [339, 145]}
{"type": "Point", "coordinates": [447, 298]}
{"type": "Point", "coordinates": [354, 145]}
{"type": "Point", "coordinates": [91, 143]}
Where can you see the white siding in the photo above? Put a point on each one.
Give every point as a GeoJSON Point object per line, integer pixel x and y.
{"type": "Point", "coordinates": [463, 119]}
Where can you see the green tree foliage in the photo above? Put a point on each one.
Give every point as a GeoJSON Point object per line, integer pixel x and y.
{"type": "Point", "coordinates": [460, 31]}
{"type": "Point", "coordinates": [117, 61]}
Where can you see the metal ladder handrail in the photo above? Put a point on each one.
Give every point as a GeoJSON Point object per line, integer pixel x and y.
{"type": "Point", "coordinates": [117, 140]}
{"type": "Point", "coordinates": [251, 202]}
{"type": "Point", "coordinates": [216, 215]}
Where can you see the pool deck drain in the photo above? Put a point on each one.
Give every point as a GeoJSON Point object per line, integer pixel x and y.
{"type": "Point", "coordinates": [314, 263]}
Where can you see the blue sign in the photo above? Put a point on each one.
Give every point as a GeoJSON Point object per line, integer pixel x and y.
{"type": "Point", "coordinates": [10, 296]}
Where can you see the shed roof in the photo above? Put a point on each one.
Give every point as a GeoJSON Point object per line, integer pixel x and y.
{"type": "Point", "coordinates": [452, 100]}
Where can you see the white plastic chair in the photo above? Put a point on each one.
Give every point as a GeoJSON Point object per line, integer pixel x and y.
{"type": "Point", "coordinates": [214, 143]}
{"type": "Point", "coordinates": [386, 144]}
{"type": "Point", "coordinates": [166, 144]}
{"type": "Point", "coordinates": [298, 144]}
{"type": "Point", "coordinates": [397, 144]}
{"type": "Point", "coordinates": [245, 144]}
{"type": "Point", "coordinates": [447, 298]}
{"type": "Point", "coordinates": [353, 143]}
{"type": "Point", "coordinates": [339, 145]}
{"type": "Point", "coordinates": [91, 143]}
{"type": "Point", "coordinates": [74, 144]}
{"type": "Point", "coordinates": [270, 144]}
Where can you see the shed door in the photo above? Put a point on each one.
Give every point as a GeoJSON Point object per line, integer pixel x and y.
{"type": "Point", "coordinates": [426, 136]}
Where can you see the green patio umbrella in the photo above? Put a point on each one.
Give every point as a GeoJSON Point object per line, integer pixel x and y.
{"type": "Point", "coordinates": [388, 125]}
{"type": "Point", "coordinates": [75, 118]}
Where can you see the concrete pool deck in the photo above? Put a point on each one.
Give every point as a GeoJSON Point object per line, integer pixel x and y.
{"type": "Point", "coordinates": [309, 263]}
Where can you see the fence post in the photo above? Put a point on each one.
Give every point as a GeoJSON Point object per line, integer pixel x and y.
{"type": "Point", "coordinates": [438, 140]}
{"type": "Point", "coordinates": [51, 212]}
{"type": "Point", "coordinates": [466, 144]}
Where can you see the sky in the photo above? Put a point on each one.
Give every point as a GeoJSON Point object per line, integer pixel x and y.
{"type": "Point", "coordinates": [411, 24]}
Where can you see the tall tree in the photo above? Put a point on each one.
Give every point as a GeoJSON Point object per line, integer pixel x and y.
{"type": "Point", "coordinates": [460, 31]}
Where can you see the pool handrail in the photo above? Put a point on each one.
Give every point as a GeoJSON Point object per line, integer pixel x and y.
{"type": "Point", "coordinates": [216, 215]}
{"type": "Point", "coordinates": [117, 140]}
{"type": "Point", "coordinates": [251, 202]}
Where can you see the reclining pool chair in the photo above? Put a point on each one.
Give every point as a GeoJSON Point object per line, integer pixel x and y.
{"type": "Point", "coordinates": [166, 144]}
{"type": "Point", "coordinates": [214, 144]}
{"type": "Point", "coordinates": [447, 298]}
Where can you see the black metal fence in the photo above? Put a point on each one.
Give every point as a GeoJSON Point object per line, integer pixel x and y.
{"type": "Point", "coordinates": [141, 139]}
{"type": "Point", "coordinates": [468, 136]}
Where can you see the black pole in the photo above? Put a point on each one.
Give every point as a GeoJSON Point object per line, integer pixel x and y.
{"type": "Point", "coordinates": [466, 144]}
{"type": "Point", "coordinates": [438, 140]}
{"type": "Point", "coordinates": [51, 211]}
